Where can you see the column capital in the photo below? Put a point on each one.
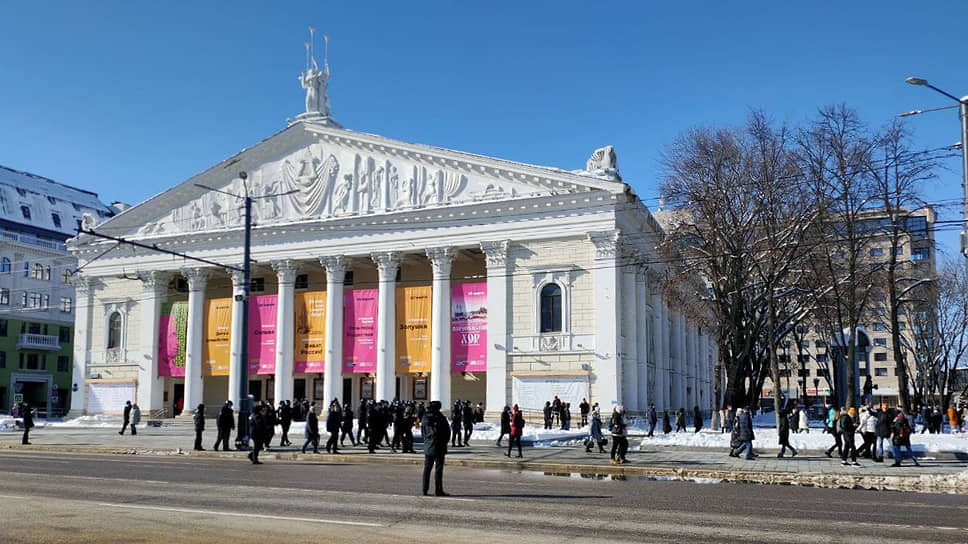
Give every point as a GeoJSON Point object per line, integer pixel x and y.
{"type": "Point", "coordinates": [197, 277]}
{"type": "Point", "coordinates": [606, 243]}
{"type": "Point", "coordinates": [441, 259]}
{"type": "Point", "coordinates": [335, 266]}
{"type": "Point", "coordinates": [286, 270]}
{"type": "Point", "coordinates": [154, 280]}
{"type": "Point", "coordinates": [82, 284]}
{"type": "Point", "coordinates": [387, 262]}
{"type": "Point", "coordinates": [496, 253]}
{"type": "Point", "coordinates": [237, 278]}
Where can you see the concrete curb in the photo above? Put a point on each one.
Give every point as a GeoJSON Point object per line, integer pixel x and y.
{"type": "Point", "coordinates": [946, 483]}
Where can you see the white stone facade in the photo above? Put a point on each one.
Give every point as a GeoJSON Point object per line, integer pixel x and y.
{"type": "Point", "coordinates": [371, 206]}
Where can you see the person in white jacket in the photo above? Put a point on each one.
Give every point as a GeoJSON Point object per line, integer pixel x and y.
{"type": "Point", "coordinates": [804, 423]}
{"type": "Point", "coordinates": [868, 430]}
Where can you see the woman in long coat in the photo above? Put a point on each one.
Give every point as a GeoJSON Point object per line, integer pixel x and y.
{"type": "Point", "coordinates": [595, 437]}
{"type": "Point", "coordinates": [505, 424]}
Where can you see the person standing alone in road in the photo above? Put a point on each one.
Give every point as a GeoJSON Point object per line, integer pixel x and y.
{"type": "Point", "coordinates": [199, 419]}
{"type": "Point", "coordinates": [436, 434]}
{"type": "Point", "coordinates": [27, 413]}
{"type": "Point", "coordinates": [517, 429]}
{"type": "Point", "coordinates": [225, 422]}
{"type": "Point", "coordinates": [620, 442]}
{"type": "Point", "coordinates": [312, 429]}
{"type": "Point", "coordinates": [135, 418]}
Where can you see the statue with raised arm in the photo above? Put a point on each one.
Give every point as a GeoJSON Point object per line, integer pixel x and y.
{"type": "Point", "coordinates": [315, 80]}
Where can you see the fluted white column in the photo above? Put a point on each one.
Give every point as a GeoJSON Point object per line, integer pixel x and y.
{"type": "Point", "coordinates": [151, 387]}
{"type": "Point", "coordinates": [642, 341]}
{"type": "Point", "coordinates": [629, 330]}
{"type": "Point", "coordinates": [82, 343]}
{"type": "Point", "coordinates": [195, 333]}
{"type": "Point", "coordinates": [496, 255]}
{"type": "Point", "coordinates": [440, 357]}
{"type": "Point", "coordinates": [662, 400]}
{"type": "Point", "coordinates": [606, 366]}
{"type": "Point", "coordinates": [333, 367]}
{"type": "Point", "coordinates": [235, 357]}
{"type": "Point", "coordinates": [285, 328]}
{"type": "Point", "coordinates": [387, 263]}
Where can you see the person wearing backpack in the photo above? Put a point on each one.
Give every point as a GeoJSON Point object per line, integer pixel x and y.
{"type": "Point", "coordinates": [846, 428]}
{"type": "Point", "coordinates": [901, 437]}
{"type": "Point", "coordinates": [831, 427]}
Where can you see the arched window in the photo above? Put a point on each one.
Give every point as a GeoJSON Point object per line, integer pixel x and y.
{"type": "Point", "coordinates": [38, 273]}
{"type": "Point", "coordinates": [551, 308]}
{"type": "Point", "coordinates": [4, 266]}
{"type": "Point", "coordinates": [114, 331]}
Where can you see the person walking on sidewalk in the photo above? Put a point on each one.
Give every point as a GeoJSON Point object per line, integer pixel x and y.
{"type": "Point", "coordinates": [652, 416]}
{"type": "Point", "coordinates": [125, 417]}
{"type": "Point", "coordinates": [517, 429]}
{"type": "Point", "coordinates": [505, 424]}
{"type": "Point", "coordinates": [867, 427]}
{"type": "Point", "coordinates": [681, 420]}
{"type": "Point", "coordinates": [312, 429]}
{"type": "Point", "coordinates": [666, 424]}
{"type": "Point", "coordinates": [620, 442]}
{"type": "Point", "coordinates": [547, 415]}
{"type": "Point", "coordinates": [901, 438]}
{"type": "Point", "coordinates": [333, 419]}
{"type": "Point", "coordinates": [832, 416]}
{"type": "Point", "coordinates": [696, 418]}
{"type": "Point", "coordinates": [883, 430]}
{"type": "Point", "coordinates": [584, 408]}
{"type": "Point", "coordinates": [846, 427]}
{"type": "Point", "coordinates": [135, 418]}
{"type": "Point", "coordinates": [225, 422]}
{"type": "Point", "coordinates": [346, 425]}
{"type": "Point", "coordinates": [198, 418]}
{"type": "Point", "coordinates": [744, 433]}
{"type": "Point", "coordinates": [260, 433]}
{"type": "Point", "coordinates": [436, 434]}
{"type": "Point", "coordinates": [284, 415]}
{"type": "Point", "coordinates": [595, 437]}
{"type": "Point", "coordinates": [783, 433]}
{"type": "Point", "coordinates": [804, 422]}
{"type": "Point", "coordinates": [27, 413]}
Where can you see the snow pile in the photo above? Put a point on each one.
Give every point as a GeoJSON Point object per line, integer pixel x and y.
{"type": "Point", "coordinates": [8, 424]}
{"type": "Point", "coordinates": [94, 421]}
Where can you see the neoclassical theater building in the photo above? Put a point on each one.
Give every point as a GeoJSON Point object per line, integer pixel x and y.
{"type": "Point", "coordinates": [383, 269]}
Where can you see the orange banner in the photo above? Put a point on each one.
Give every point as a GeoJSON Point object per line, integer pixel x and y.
{"type": "Point", "coordinates": [413, 329]}
{"type": "Point", "coordinates": [217, 344]}
{"type": "Point", "coordinates": [310, 349]}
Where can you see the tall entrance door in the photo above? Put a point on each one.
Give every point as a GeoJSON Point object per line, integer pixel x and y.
{"type": "Point", "coordinates": [178, 399]}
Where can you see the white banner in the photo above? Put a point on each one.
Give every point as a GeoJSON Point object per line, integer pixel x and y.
{"type": "Point", "coordinates": [531, 392]}
{"type": "Point", "coordinates": [109, 398]}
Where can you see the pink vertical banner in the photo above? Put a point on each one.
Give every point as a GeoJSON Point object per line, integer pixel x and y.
{"type": "Point", "coordinates": [468, 326]}
{"type": "Point", "coordinates": [262, 334]}
{"type": "Point", "coordinates": [359, 330]}
{"type": "Point", "coordinates": [172, 337]}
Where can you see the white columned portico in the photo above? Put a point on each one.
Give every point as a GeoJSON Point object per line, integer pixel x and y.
{"type": "Point", "coordinates": [607, 366]}
{"type": "Point", "coordinates": [441, 259]}
{"type": "Point", "coordinates": [496, 256]}
{"type": "Point", "coordinates": [285, 328]}
{"type": "Point", "coordinates": [194, 334]}
{"type": "Point", "coordinates": [82, 343]}
{"type": "Point", "coordinates": [661, 350]}
{"type": "Point", "coordinates": [151, 387]}
{"type": "Point", "coordinates": [629, 376]}
{"type": "Point", "coordinates": [387, 263]}
{"type": "Point", "coordinates": [333, 368]}
{"type": "Point", "coordinates": [235, 357]}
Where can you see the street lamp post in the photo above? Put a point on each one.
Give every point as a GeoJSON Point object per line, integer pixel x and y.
{"type": "Point", "coordinates": [963, 112]}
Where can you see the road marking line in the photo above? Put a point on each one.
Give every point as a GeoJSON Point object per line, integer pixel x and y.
{"type": "Point", "coordinates": [239, 514]}
{"type": "Point", "coordinates": [11, 497]}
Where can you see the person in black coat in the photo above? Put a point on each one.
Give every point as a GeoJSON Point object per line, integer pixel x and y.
{"type": "Point", "coordinates": [505, 424]}
{"type": "Point", "coordinates": [346, 425]}
{"type": "Point", "coordinates": [362, 423]}
{"type": "Point", "coordinates": [468, 421]}
{"type": "Point", "coordinates": [333, 420]}
{"type": "Point", "coordinates": [456, 439]}
{"type": "Point", "coordinates": [284, 414]}
{"type": "Point", "coordinates": [260, 432]}
{"type": "Point", "coordinates": [584, 408]}
{"type": "Point", "coordinates": [198, 418]}
{"type": "Point", "coordinates": [225, 422]}
{"type": "Point", "coordinates": [374, 427]}
{"type": "Point", "coordinates": [407, 428]}
{"type": "Point", "coordinates": [696, 418]}
{"type": "Point", "coordinates": [882, 429]}
{"type": "Point", "coordinates": [27, 414]}
{"type": "Point", "coordinates": [783, 435]}
{"type": "Point", "coordinates": [547, 415]}
{"type": "Point", "coordinates": [126, 417]}
{"type": "Point", "coordinates": [436, 433]}
{"type": "Point", "coordinates": [666, 424]}
{"type": "Point", "coordinates": [312, 429]}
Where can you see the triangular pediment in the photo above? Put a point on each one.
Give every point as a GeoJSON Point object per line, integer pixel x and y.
{"type": "Point", "coordinates": [328, 173]}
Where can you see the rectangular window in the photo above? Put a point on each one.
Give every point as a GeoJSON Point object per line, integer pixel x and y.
{"type": "Point", "coordinates": [348, 279]}
{"type": "Point", "coordinates": [864, 372]}
{"type": "Point", "coordinates": [3, 359]}
{"type": "Point", "coordinates": [880, 327]}
{"type": "Point", "coordinates": [64, 335]}
{"type": "Point", "coordinates": [63, 363]}
{"type": "Point", "coordinates": [821, 359]}
{"type": "Point", "coordinates": [877, 252]}
{"type": "Point", "coordinates": [26, 269]}
{"type": "Point", "coordinates": [33, 361]}
{"type": "Point", "coordinates": [46, 301]}
{"type": "Point", "coordinates": [820, 344]}
{"type": "Point", "coordinates": [257, 285]}
{"type": "Point", "coordinates": [3, 328]}
{"type": "Point", "coordinates": [803, 372]}
{"type": "Point", "coordinates": [56, 219]}
{"type": "Point", "coordinates": [917, 226]}
{"type": "Point", "coordinates": [302, 281]}
{"type": "Point", "coordinates": [880, 371]}
{"type": "Point", "coordinates": [920, 254]}
{"type": "Point", "coordinates": [43, 362]}
{"type": "Point", "coordinates": [901, 326]}
{"type": "Point", "coordinates": [900, 250]}
{"type": "Point", "coordinates": [805, 344]}
{"type": "Point", "coordinates": [66, 305]}
{"type": "Point", "coordinates": [880, 356]}
{"type": "Point", "coordinates": [25, 211]}
{"type": "Point", "coordinates": [880, 341]}
{"type": "Point", "coordinates": [784, 372]}
{"type": "Point", "coordinates": [4, 296]}
{"type": "Point", "coordinates": [23, 299]}
{"type": "Point", "coordinates": [803, 358]}
{"type": "Point", "coordinates": [21, 356]}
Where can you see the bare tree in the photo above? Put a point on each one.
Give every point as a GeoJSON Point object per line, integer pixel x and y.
{"type": "Point", "coordinates": [835, 154]}
{"type": "Point", "coordinates": [950, 329]}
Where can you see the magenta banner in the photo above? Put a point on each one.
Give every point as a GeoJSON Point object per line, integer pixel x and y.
{"type": "Point", "coordinates": [359, 326]}
{"type": "Point", "coordinates": [468, 325]}
{"type": "Point", "coordinates": [262, 334]}
{"type": "Point", "coordinates": [172, 337]}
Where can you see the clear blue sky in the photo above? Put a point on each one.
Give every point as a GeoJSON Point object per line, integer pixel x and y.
{"type": "Point", "coordinates": [127, 98]}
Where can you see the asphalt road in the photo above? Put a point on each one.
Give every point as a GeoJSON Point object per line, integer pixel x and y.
{"type": "Point", "coordinates": [49, 497]}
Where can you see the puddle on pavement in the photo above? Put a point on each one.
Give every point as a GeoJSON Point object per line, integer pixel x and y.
{"type": "Point", "coordinates": [624, 477]}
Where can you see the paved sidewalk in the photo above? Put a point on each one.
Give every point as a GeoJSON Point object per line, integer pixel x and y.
{"type": "Point", "coordinates": [658, 462]}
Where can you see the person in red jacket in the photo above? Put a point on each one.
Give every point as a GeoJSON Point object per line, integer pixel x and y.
{"type": "Point", "coordinates": [517, 429]}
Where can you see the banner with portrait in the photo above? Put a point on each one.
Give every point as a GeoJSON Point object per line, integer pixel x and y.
{"type": "Point", "coordinates": [172, 338]}
{"type": "Point", "coordinates": [359, 330]}
{"type": "Point", "coordinates": [468, 341]}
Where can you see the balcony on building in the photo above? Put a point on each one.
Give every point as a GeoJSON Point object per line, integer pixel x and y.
{"type": "Point", "coordinates": [39, 341]}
